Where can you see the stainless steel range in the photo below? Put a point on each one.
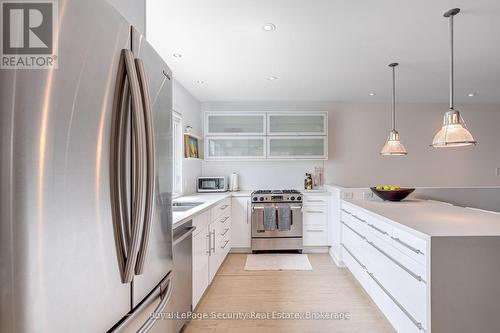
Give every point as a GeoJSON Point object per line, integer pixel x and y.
{"type": "Point", "coordinates": [276, 220]}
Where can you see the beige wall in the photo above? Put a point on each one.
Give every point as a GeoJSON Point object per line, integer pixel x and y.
{"type": "Point", "coordinates": [357, 133]}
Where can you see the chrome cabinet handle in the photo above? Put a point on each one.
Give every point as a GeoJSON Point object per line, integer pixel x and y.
{"type": "Point", "coordinates": [313, 230]}
{"type": "Point", "coordinates": [247, 210]}
{"type": "Point", "coordinates": [309, 200]}
{"type": "Point", "coordinates": [225, 219]}
{"type": "Point", "coordinates": [150, 168]}
{"type": "Point", "coordinates": [358, 218]}
{"type": "Point", "coordinates": [225, 232]}
{"type": "Point", "coordinates": [417, 251]}
{"type": "Point", "coordinates": [357, 233]}
{"type": "Point", "coordinates": [403, 267]}
{"type": "Point", "coordinates": [209, 252]}
{"type": "Point", "coordinates": [345, 211]}
{"type": "Point", "coordinates": [213, 242]}
{"type": "Point", "coordinates": [413, 320]}
{"type": "Point", "coordinates": [223, 207]}
{"type": "Point", "coordinates": [378, 229]}
{"type": "Point", "coordinates": [352, 255]}
{"type": "Point", "coordinates": [225, 244]}
{"type": "Point", "coordinates": [314, 211]}
{"type": "Point", "coordinates": [127, 239]}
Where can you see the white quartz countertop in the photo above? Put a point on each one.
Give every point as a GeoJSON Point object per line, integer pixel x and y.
{"type": "Point", "coordinates": [209, 200]}
{"type": "Point", "coordinates": [434, 219]}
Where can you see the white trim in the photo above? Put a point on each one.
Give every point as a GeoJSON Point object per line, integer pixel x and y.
{"type": "Point", "coordinates": [337, 261]}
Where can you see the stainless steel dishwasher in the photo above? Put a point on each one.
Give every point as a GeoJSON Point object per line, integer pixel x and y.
{"type": "Point", "coordinates": [183, 271]}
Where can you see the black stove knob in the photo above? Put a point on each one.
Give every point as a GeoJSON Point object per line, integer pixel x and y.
{"type": "Point", "coordinates": [299, 198]}
{"type": "Point", "coordinates": [261, 199]}
{"type": "Point", "coordinates": [254, 198]}
{"type": "Point", "coordinates": [292, 198]}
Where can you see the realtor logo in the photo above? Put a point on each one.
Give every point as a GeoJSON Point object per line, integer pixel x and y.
{"type": "Point", "coordinates": [28, 34]}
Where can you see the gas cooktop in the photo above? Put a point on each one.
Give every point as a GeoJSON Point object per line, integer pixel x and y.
{"type": "Point", "coordinates": [276, 196]}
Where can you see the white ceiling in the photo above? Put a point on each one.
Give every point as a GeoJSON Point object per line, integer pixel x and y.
{"type": "Point", "coordinates": [328, 50]}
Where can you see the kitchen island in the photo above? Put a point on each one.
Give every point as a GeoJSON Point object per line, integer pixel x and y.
{"type": "Point", "coordinates": [429, 266]}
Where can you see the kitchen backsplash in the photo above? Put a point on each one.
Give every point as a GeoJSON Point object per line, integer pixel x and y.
{"type": "Point", "coordinates": [263, 174]}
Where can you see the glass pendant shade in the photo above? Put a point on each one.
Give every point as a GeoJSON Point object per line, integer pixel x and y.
{"type": "Point", "coordinates": [454, 133]}
{"type": "Point", "coordinates": [393, 145]}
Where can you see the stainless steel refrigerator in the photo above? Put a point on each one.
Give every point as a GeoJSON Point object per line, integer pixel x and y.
{"type": "Point", "coordinates": [85, 200]}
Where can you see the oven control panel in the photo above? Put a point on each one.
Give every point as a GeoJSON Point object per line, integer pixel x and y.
{"type": "Point", "coordinates": [276, 196]}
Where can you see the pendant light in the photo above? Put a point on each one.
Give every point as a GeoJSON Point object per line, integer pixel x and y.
{"type": "Point", "coordinates": [393, 147]}
{"type": "Point", "coordinates": [454, 132]}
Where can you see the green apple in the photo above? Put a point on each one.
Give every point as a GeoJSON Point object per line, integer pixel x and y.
{"type": "Point", "coordinates": [379, 187]}
{"type": "Point", "coordinates": [387, 188]}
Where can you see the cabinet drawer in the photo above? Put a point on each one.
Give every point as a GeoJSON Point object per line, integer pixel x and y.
{"type": "Point", "coordinates": [396, 315]}
{"type": "Point", "coordinates": [354, 265]}
{"type": "Point", "coordinates": [378, 228]}
{"type": "Point", "coordinates": [315, 236]}
{"type": "Point", "coordinates": [200, 221]}
{"type": "Point", "coordinates": [402, 277]}
{"type": "Point", "coordinates": [222, 209]}
{"type": "Point", "coordinates": [410, 245]}
{"type": "Point", "coordinates": [315, 200]}
{"type": "Point", "coordinates": [315, 216]}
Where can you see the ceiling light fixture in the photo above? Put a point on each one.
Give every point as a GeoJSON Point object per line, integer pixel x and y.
{"type": "Point", "coordinates": [272, 78]}
{"type": "Point", "coordinates": [268, 27]}
{"type": "Point", "coordinates": [471, 94]}
{"type": "Point", "coordinates": [454, 132]}
{"type": "Point", "coordinates": [393, 147]}
{"type": "Point", "coordinates": [177, 55]}
{"type": "Point", "coordinates": [371, 94]}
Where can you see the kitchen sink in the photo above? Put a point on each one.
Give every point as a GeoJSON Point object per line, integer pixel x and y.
{"type": "Point", "coordinates": [184, 206]}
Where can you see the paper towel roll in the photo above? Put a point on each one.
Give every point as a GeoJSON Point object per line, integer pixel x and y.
{"type": "Point", "coordinates": [234, 186]}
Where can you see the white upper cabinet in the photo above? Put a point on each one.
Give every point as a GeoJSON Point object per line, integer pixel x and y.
{"type": "Point", "coordinates": [242, 123]}
{"type": "Point", "coordinates": [312, 123]}
{"type": "Point", "coordinates": [217, 148]}
{"type": "Point", "coordinates": [293, 147]}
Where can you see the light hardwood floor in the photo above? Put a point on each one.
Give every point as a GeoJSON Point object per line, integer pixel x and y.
{"type": "Point", "coordinates": [326, 288]}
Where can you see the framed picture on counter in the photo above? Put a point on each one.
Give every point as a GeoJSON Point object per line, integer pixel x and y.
{"type": "Point", "coordinates": [191, 146]}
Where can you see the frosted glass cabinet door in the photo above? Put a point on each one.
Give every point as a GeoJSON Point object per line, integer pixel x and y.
{"type": "Point", "coordinates": [312, 123]}
{"type": "Point", "coordinates": [235, 124]}
{"type": "Point", "coordinates": [235, 148]}
{"type": "Point", "coordinates": [305, 147]}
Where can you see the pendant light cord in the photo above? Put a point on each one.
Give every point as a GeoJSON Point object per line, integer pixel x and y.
{"type": "Point", "coordinates": [452, 90]}
{"type": "Point", "coordinates": [393, 98]}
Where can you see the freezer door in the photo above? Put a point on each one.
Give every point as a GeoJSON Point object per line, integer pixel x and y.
{"type": "Point", "coordinates": [58, 265]}
{"type": "Point", "coordinates": [158, 252]}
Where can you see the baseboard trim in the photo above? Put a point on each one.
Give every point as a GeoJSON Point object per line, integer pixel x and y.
{"type": "Point", "coordinates": [337, 261]}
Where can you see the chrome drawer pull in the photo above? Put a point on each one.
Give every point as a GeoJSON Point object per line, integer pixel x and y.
{"type": "Point", "coordinates": [379, 230]}
{"type": "Point", "coordinates": [225, 232]}
{"type": "Point", "coordinates": [314, 211]}
{"type": "Point", "coordinates": [223, 207]}
{"type": "Point", "coordinates": [417, 251]}
{"type": "Point", "coordinates": [222, 247]}
{"type": "Point", "coordinates": [357, 233]}
{"type": "Point", "coordinates": [352, 255]}
{"type": "Point", "coordinates": [315, 200]}
{"type": "Point", "coordinates": [358, 218]}
{"type": "Point", "coordinates": [345, 211]}
{"type": "Point", "coordinates": [312, 230]}
{"type": "Point", "coordinates": [225, 219]}
{"type": "Point", "coordinates": [415, 276]}
{"type": "Point", "coordinates": [413, 320]}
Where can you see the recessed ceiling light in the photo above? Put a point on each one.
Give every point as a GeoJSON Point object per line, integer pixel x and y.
{"type": "Point", "coordinates": [268, 27]}
{"type": "Point", "coordinates": [471, 94]}
{"type": "Point", "coordinates": [200, 81]}
{"type": "Point", "coordinates": [371, 94]}
{"type": "Point", "coordinates": [177, 55]}
{"type": "Point", "coordinates": [272, 78]}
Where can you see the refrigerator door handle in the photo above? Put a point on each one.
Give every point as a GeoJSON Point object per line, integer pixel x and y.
{"type": "Point", "coordinates": [127, 240]}
{"type": "Point", "coordinates": [165, 295]}
{"type": "Point", "coordinates": [150, 168]}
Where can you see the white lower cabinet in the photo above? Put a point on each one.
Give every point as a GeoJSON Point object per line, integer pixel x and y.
{"type": "Point", "coordinates": [211, 244]}
{"type": "Point", "coordinates": [315, 219]}
{"type": "Point", "coordinates": [395, 281]}
{"type": "Point", "coordinates": [240, 223]}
